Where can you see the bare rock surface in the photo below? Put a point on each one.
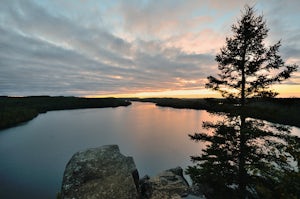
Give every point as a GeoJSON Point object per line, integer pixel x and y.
{"type": "Point", "coordinates": [100, 173]}
{"type": "Point", "coordinates": [169, 184]}
{"type": "Point", "coordinates": [104, 173]}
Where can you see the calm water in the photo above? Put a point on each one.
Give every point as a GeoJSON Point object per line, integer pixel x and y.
{"type": "Point", "coordinates": [33, 156]}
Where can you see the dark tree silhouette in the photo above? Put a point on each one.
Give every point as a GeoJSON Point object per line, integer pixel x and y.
{"type": "Point", "coordinates": [269, 152]}
{"type": "Point", "coordinates": [245, 159]}
{"type": "Point", "coordinates": [247, 67]}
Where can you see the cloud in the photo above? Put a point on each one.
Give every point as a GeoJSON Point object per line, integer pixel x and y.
{"type": "Point", "coordinates": [85, 48]}
{"type": "Point", "coordinates": [206, 41]}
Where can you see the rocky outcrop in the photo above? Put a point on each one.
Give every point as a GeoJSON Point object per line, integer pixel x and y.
{"type": "Point", "coordinates": [100, 173]}
{"type": "Point", "coordinates": [169, 184]}
{"type": "Point", "coordinates": [104, 173]}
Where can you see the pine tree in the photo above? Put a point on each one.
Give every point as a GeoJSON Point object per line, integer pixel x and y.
{"type": "Point", "coordinates": [247, 67]}
{"type": "Point", "coordinates": [241, 153]}
{"type": "Point", "coordinates": [267, 152]}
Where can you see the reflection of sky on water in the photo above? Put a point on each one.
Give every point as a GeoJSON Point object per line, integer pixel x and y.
{"type": "Point", "coordinates": [33, 156]}
{"type": "Point", "coordinates": [293, 130]}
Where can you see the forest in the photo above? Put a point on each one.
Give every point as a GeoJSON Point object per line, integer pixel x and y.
{"type": "Point", "coordinates": [277, 110]}
{"type": "Point", "coordinates": [16, 110]}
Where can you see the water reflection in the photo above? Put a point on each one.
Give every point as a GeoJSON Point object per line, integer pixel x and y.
{"type": "Point", "coordinates": [33, 156]}
{"type": "Point", "coordinates": [247, 158]}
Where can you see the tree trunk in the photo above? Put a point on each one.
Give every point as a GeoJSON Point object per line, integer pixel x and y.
{"type": "Point", "coordinates": [242, 171]}
{"type": "Point", "coordinates": [243, 75]}
{"type": "Point", "coordinates": [243, 87]}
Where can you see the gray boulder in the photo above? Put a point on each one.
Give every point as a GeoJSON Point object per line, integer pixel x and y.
{"type": "Point", "coordinates": [100, 173]}
{"type": "Point", "coordinates": [169, 184]}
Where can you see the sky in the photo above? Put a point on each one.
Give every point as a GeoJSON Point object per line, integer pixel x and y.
{"type": "Point", "coordinates": [130, 48]}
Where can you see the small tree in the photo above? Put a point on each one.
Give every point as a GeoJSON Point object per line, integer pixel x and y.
{"type": "Point", "coordinates": [247, 67]}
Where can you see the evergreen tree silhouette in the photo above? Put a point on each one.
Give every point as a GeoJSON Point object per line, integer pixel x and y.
{"type": "Point", "coordinates": [247, 158]}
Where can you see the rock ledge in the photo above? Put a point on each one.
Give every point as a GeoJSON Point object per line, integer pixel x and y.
{"type": "Point", "coordinates": [100, 173]}
{"type": "Point", "coordinates": [104, 172]}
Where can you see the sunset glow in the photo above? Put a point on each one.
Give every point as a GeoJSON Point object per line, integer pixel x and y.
{"type": "Point", "coordinates": [201, 93]}
{"type": "Point", "coordinates": [143, 49]}
{"type": "Point", "coordinates": [287, 90]}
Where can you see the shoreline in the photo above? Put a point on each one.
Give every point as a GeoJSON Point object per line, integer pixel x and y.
{"type": "Point", "coordinates": [17, 110]}
{"type": "Point", "coordinates": [276, 110]}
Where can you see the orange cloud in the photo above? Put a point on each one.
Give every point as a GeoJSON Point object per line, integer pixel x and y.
{"type": "Point", "coordinates": [206, 41]}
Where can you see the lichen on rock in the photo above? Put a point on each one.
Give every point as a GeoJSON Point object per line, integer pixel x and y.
{"type": "Point", "coordinates": [100, 173]}
{"type": "Point", "coordinates": [169, 184]}
{"type": "Point", "coordinates": [104, 173]}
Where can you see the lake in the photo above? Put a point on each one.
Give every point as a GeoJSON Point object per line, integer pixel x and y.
{"type": "Point", "coordinates": [33, 156]}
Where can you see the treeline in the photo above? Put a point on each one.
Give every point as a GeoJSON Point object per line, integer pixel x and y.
{"type": "Point", "coordinates": [15, 110]}
{"type": "Point", "coordinates": [277, 110]}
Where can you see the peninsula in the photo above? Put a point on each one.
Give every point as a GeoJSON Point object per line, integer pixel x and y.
{"type": "Point", "coordinates": [16, 110]}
